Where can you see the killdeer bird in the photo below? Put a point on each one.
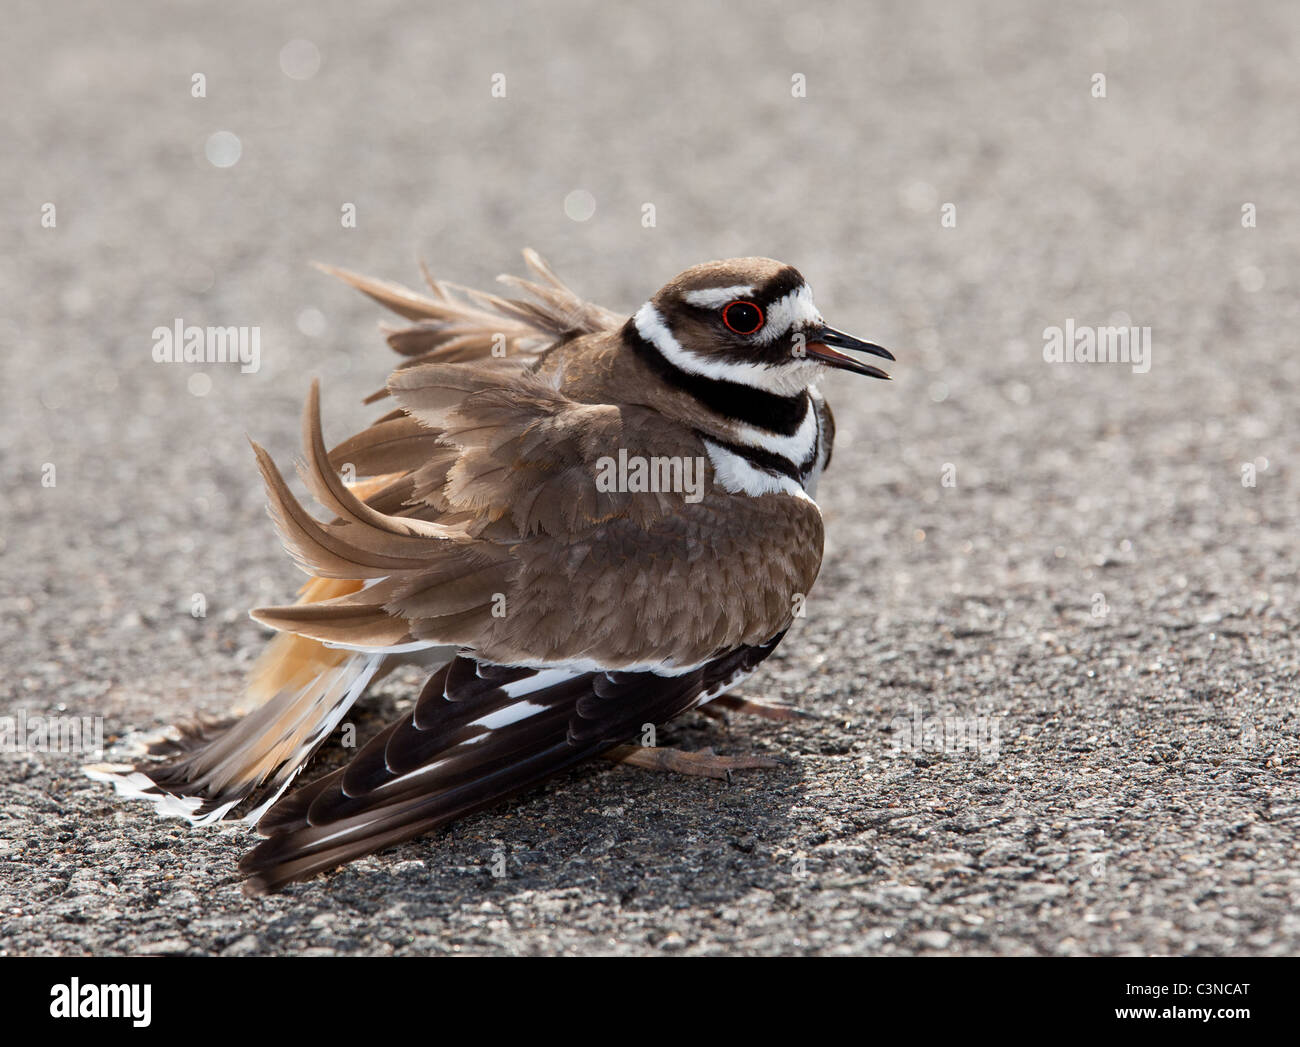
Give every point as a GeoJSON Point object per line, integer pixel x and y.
{"type": "Point", "coordinates": [560, 604]}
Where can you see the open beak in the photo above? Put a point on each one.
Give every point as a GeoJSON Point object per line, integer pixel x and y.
{"type": "Point", "coordinates": [823, 345]}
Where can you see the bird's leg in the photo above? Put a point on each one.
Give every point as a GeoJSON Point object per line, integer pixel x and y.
{"type": "Point", "coordinates": [718, 708]}
{"type": "Point", "coordinates": [705, 763]}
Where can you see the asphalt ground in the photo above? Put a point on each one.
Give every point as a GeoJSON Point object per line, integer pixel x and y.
{"type": "Point", "coordinates": [1065, 565]}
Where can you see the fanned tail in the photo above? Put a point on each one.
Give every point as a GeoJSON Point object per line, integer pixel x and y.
{"type": "Point", "coordinates": [298, 692]}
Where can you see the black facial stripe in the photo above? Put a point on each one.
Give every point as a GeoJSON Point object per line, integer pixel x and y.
{"type": "Point", "coordinates": [787, 280]}
{"type": "Point", "coordinates": [741, 403]}
{"type": "Point", "coordinates": [774, 353]}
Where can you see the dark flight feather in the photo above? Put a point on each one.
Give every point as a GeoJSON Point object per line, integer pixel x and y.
{"type": "Point", "coordinates": [440, 762]}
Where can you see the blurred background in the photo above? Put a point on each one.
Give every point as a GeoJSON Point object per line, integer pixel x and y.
{"type": "Point", "coordinates": [198, 158]}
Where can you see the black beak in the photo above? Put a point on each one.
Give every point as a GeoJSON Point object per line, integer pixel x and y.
{"type": "Point", "coordinates": [823, 342]}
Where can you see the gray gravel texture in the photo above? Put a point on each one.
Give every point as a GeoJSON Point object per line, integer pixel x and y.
{"type": "Point", "coordinates": [1094, 588]}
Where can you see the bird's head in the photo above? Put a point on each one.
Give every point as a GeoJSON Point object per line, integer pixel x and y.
{"type": "Point", "coordinates": [751, 321]}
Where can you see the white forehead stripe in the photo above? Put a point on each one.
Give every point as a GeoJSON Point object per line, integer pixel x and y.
{"type": "Point", "coordinates": [711, 297]}
{"type": "Point", "coordinates": [791, 312]}
{"type": "Point", "coordinates": [784, 379]}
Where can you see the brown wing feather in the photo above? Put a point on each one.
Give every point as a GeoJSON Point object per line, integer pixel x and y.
{"type": "Point", "coordinates": [459, 324]}
{"type": "Point", "coordinates": [539, 565]}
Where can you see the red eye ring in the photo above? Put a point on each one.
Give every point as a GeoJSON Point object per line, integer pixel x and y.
{"type": "Point", "coordinates": [743, 317]}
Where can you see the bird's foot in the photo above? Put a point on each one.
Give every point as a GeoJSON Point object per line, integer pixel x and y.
{"type": "Point", "coordinates": [705, 763]}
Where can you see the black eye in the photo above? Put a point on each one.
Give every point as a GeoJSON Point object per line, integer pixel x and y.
{"type": "Point", "coordinates": [743, 317]}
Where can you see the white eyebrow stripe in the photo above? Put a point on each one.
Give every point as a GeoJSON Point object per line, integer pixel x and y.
{"type": "Point", "coordinates": [793, 310]}
{"type": "Point", "coordinates": [714, 296]}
